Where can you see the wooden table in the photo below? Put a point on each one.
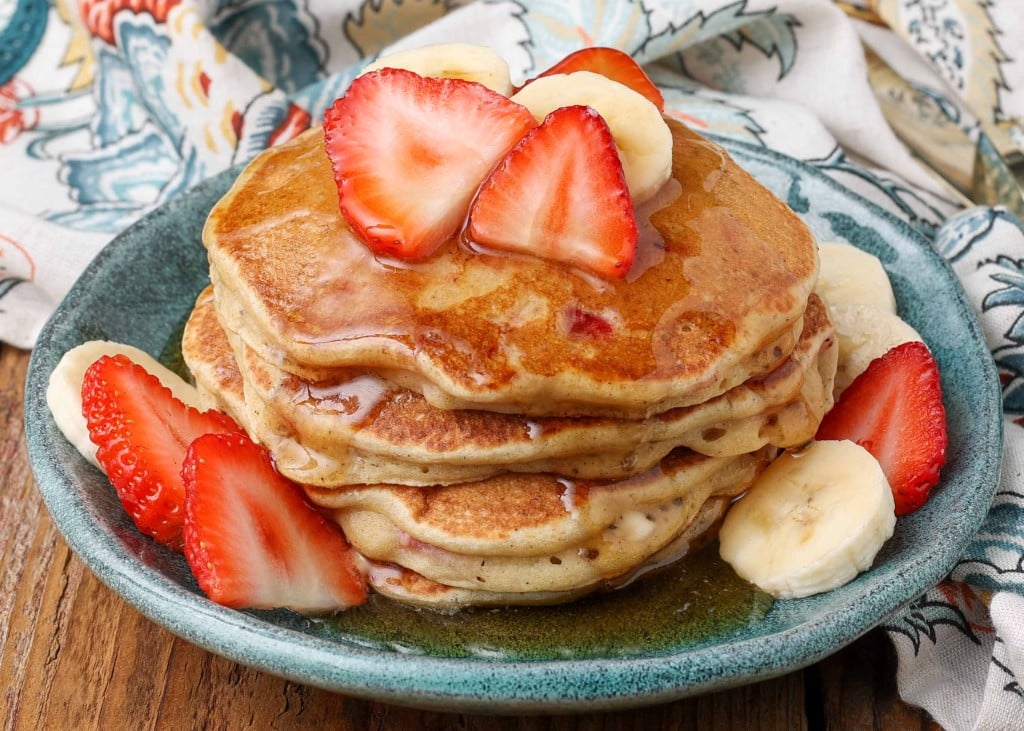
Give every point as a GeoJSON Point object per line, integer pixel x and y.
{"type": "Point", "coordinates": [75, 655]}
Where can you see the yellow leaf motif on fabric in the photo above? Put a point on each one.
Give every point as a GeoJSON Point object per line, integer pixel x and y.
{"type": "Point", "coordinates": [179, 86]}
{"type": "Point", "coordinates": [211, 84]}
{"type": "Point", "coordinates": [604, 16]}
{"type": "Point", "coordinates": [196, 86]}
{"type": "Point", "coordinates": [227, 128]}
{"type": "Point", "coordinates": [79, 50]}
{"type": "Point", "coordinates": [979, 81]}
{"type": "Point", "coordinates": [378, 23]}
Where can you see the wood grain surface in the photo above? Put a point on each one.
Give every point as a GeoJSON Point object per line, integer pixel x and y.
{"type": "Point", "coordinates": [73, 655]}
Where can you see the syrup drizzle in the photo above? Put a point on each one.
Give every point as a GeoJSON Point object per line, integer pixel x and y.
{"type": "Point", "coordinates": [466, 315]}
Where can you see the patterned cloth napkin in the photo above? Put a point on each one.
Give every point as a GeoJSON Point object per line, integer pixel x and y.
{"type": "Point", "coordinates": [109, 108]}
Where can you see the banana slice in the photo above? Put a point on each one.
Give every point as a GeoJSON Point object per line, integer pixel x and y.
{"type": "Point", "coordinates": [64, 390]}
{"type": "Point", "coordinates": [811, 522]}
{"type": "Point", "coordinates": [452, 61]}
{"type": "Point", "coordinates": [863, 309]}
{"type": "Point", "coordinates": [850, 276]}
{"type": "Point", "coordinates": [641, 135]}
{"type": "Point", "coordinates": [864, 333]}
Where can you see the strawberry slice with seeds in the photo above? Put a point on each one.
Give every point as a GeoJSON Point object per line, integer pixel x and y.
{"type": "Point", "coordinates": [560, 194]}
{"type": "Point", "coordinates": [251, 538]}
{"type": "Point", "coordinates": [613, 64]}
{"type": "Point", "coordinates": [894, 410]}
{"type": "Point", "coordinates": [141, 432]}
{"type": "Point", "coordinates": [408, 153]}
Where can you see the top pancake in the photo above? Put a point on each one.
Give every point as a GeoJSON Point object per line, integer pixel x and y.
{"type": "Point", "coordinates": [716, 296]}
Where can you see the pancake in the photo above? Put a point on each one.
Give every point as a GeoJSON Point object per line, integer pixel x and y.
{"type": "Point", "coordinates": [529, 533]}
{"type": "Point", "coordinates": [207, 355]}
{"type": "Point", "coordinates": [724, 279]}
{"type": "Point", "coordinates": [363, 430]}
{"type": "Point", "coordinates": [405, 585]}
{"type": "Point", "coordinates": [517, 514]}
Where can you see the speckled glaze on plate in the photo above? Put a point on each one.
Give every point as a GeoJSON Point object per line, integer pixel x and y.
{"type": "Point", "coordinates": [140, 290]}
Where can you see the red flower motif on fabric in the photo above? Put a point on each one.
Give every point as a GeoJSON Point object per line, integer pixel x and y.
{"type": "Point", "coordinates": [15, 261]}
{"type": "Point", "coordinates": [14, 117]}
{"type": "Point", "coordinates": [964, 596]}
{"type": "Point", "coordinates": [297, 120]}
{"type": "Point", "coordinates": [98, 15]}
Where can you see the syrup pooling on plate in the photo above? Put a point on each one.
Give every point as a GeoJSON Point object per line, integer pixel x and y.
{"type": "Point", "coordinates": [463, 321]}
{"type": "Point", "coordinates": [696, 601]}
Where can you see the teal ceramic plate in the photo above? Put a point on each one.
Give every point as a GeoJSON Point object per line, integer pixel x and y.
{"type": "Point", "coordinates": [590, 656]}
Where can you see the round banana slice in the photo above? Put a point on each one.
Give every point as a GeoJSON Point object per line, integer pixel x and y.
{"type": "Point", "coordinates": [452, 61]}
{"type": "Point", "coordinates": [811, 522]}
{"type": "Point", "coordinates": [643, 139]}
{"type": "Point", "coordinates": [64, 390]}
{"type": "Point", "coordinates": [850, 276]}
{"type": "Point", "coordinates": [864, 333]}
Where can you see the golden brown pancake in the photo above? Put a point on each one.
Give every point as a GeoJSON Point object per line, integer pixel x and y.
{"type": "Point", "coordinates": [364, 430]}
{"type": "Point", "coordinates": [716, 297]}
{"type": "Point", "coordinates": [535, 533]}
{"type": "Point", "coordinates": [405, 585]}
{"type": "Point", "coordinates": [517, 514]}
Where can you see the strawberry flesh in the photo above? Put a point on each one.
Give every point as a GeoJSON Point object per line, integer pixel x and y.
{"type": "Point", "coordinates": [141, 432]}
{"type": "Point", "coordinates": [613, 64]}
{"type": "Point", "coordinates": [409, 152]}
{"type": "Point", "coordinates": [560, 194]}
{"type": "Point", "coordinates": [588, 324]}
{"type": "Point", "coordinates": [251, 538]}
{"type": "Point", "coordinates": [894, 410]}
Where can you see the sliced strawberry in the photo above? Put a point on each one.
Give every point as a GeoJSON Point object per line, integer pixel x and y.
{"type": "Point", "coordinates": [614, 64]}
{"type": "Point", "coordinates": [894, 410]}
{"type": "Point", "coordinates": [560, 194]}
{"type": "Point", "coordinates": [142, 431]}
{"type": "Point", "coordinates": [252, 539]}
{"type": "Point", "coordinates": [408, 153]}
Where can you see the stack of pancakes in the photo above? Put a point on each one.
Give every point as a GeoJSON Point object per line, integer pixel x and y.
{"type": "Point", "coordinates": [502, 429]}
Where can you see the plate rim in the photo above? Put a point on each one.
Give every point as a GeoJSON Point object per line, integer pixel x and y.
{"type": "Point", "coordinates": [435, 682]}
